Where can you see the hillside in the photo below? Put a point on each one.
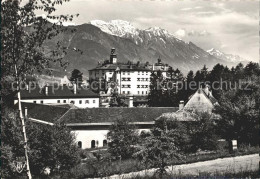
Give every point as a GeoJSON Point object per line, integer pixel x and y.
{"type": "Point", "coordinates": [131, 45]}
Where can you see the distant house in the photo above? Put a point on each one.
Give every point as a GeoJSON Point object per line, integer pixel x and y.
{"type": "Point", "coordinates": [201, 101]}
{"type": "Point", "coordinates": [60, 95]}
{"type": "Point", "coordinates": [91, 125]}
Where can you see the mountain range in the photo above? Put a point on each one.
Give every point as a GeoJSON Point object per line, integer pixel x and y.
{"type": "Point", "coordinates": [96, 38]}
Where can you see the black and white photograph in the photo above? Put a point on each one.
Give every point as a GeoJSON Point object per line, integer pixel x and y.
{"type": "Point", "coordinates": [130, 89]}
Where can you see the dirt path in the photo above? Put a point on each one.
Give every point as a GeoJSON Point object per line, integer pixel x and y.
{"type": "Point", "coordinates": [247, 162]}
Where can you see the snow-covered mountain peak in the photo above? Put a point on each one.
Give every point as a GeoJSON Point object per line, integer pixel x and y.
{"type": "Point", "coordinates": [157, 31]}
{"type": "Point", "coordinates": [116, 27]}
{"type": "Point", "coordinates": [226, 57]}
{"type": "Point", "coordinates": [215, 52]}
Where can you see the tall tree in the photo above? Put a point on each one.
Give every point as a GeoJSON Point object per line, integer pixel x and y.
{"type": "Point", "coordinates": [160, 147]}
{"type": "Point", "coordinates": [76, 77]}
{"type": "Point", "coordinates": [155, 97]}
{"type": "Point", "coordinates": [122, 139]}
{"type": "Point", "coordinates": [23, 34]}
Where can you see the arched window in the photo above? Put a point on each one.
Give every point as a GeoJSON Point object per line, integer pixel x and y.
{"type": "Point", "coordinates": [79, 144]}
{"type": "Point", "coordinates": [93, 144]}
{"type": "Point", "coordinates": [104, 143]}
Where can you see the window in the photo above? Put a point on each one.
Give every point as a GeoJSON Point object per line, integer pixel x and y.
{"type": "Point", "coordinates": [198, 98]}
{"type": "Point", "coordinates": [138, 86]}
{"type": "Point", "coordinates": [64, 101]}
{"type": "Point", "coordinates": [72, 102]}
{"type": "Point", "coordinates": [138, 92]}
{"type": "Point", "coordinates": [94, 101]}
{"type": "Point", "coordinates": [128, 79]}
{"type": "Point", "coordinates": [123, 92]}
{"type": "Point", "coordinates": [104, 143]}
{"type": "Point", "coordinates": [128, 73]}
{"type": "Point", "coordinates": [146, 86]}
{"type": "Point", "coordinates": [123, 73]}
{"type": "Point", "coordinates": [79, 144]}
{"type": "Point", "coordinates": [34, 101]}
{"type": "Point", "coordinates": [142, 92]}
{"type": "Point", "coordinates": [93, 144]}
{"type": "Point", "coordinates": [129, 86]}
{"type": "Point", "coordinates": [41, 102]}
{"type": "Point", "coordinates": [146, 79]}
{"type": "Point", "coordinates": [138, 79]}
{"type": "Point", "coordinates": [146, 92]}
{"type": "Point", "coordinates": [87, 102]}
{"type": "Point", "coordinates": [80, 101]}
{"type": "Point", "coordinates": [128, 92]}
{"type": "Point", "coordinates": [58, 101]}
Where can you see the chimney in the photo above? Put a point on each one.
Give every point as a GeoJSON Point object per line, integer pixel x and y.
{"type": "Point", "coordinates": [25, 112]}
{"type": "Point", "coordinates": [27, 87]}
{"type": "Point", "coordinates": [153, 67]}
{"type": "Point", "coordinates": [206, 90]}
{"type": "Point", "coordinates": [74, 88]}
{"type": "Point", "coordinates": [131, 101]}
{"type": "Point", "coordinates": [46, 90]}
{"type": "Point", "coordinates": [181, 105]}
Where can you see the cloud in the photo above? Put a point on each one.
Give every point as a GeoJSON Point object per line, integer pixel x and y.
{"type": "Point", "coordinates": [205, 12]}
{"type": "Point", "coordinates": [198, 33]}
{"type": "Point", "coordinates": [180, 33]}
{"type": "Point", "coordinates": [186, 9]}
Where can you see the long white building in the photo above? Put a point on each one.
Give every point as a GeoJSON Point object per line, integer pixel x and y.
{"type": "Point", "coordinates": [60, 95]}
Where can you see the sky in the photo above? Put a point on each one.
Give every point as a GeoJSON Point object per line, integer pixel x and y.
{"type": "Point", "coordinates": [229, 26]}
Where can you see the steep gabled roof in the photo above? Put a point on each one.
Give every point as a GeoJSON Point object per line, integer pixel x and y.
{"type": "Point", "coordinates": [209, 97]}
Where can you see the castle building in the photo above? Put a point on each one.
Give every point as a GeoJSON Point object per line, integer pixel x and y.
{"type": "Point", "coordinates": [130, 79]}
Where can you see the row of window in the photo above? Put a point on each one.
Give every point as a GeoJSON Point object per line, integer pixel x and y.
{"type": "Point", "coordinates": [126, 79]}
{"type": "Point", "coordinates": [124, 73]}
{"type": "Point", "coordinates": [138, 92]}
{"type": "Point", "coordinates": [126, 86]}
{"type": "Point", "coordinates": [142, 72]}
{"type": "Point", "coordinates": [142, 86]}
{"type": "Point", "coordinates": [142, 92]}
{"type": "Point", "coordinates": [142, 79]}
{"type": "Point", "coordinates": [126, 92]}
{"type": "Point", "coordinates": [94, 143]}
{"type": "Point", "coordinates": [72, 101]}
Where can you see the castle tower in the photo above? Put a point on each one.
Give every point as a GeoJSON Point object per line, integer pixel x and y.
{"type": "Point", "coordinates": [113, 56]}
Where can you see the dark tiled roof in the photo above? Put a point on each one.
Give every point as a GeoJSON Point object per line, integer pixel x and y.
{"type": "Point", "coordinates": [68, 114]}
{"type": "Point", "coordinates": [122, 67]}
{"type": "Point", "coordinates": [49, 113]}
{"type": "Point", "coordinates": [56, 92]}
{"type": "Point", "coordinates": [100, 115]}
